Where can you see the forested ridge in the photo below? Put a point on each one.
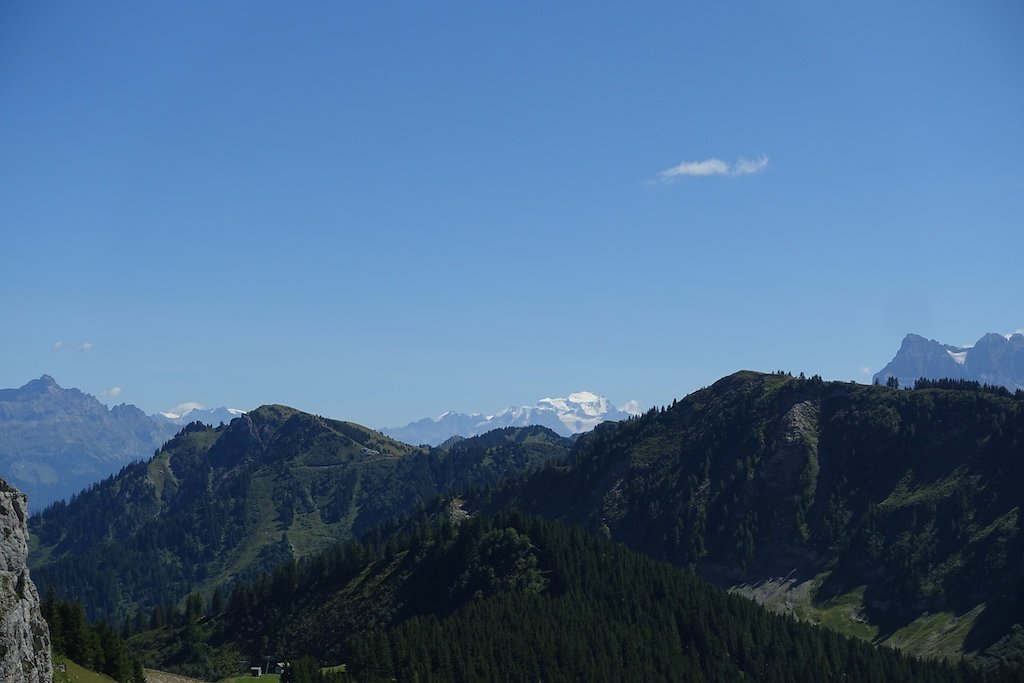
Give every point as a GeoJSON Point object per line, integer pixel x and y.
{"type": "Point", "coordinates": [216, 506]}
{"type": "Point", "coordinates": [904, 503]}
{"type": "Point", "coordinates": [516, 598]}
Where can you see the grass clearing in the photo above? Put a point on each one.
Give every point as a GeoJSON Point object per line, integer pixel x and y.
{"type": "Point", "coordinates": [940, 634]}
{"type": "Point", "coordinates": [74, 673]}
{"type": "Point", "coordinates": [337, 669]}
{"type": "Point", "coordinates": [843, 613]}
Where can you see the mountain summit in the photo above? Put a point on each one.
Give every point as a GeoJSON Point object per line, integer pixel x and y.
{"type": "Point", "coordinates": [579, 412]}
{"type": "Point", "coordinates": [994, 359]}
{"type": "Point", "coordinates": [56, 441]}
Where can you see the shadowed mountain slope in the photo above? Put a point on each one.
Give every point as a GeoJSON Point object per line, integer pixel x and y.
{"type": "Point", "coordinates": [511, 598]}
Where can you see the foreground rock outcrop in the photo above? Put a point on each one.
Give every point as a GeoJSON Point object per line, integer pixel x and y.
{"type": "Point", "coordinates": [24, 636]}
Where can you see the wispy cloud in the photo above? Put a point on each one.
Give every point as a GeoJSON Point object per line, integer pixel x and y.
{"type": "Point", "coordinates": [750, 166]}
{"type": "Point", "coordinates": [708, 167]}
{"type": "Point", "coordinates": [865, 370]}
{"type": "Point", "coordinates": [113, 392]}
{"type": "Point", "coordinates": [696, 168]}
{"type": "Point", "coordinates": [82, 347]}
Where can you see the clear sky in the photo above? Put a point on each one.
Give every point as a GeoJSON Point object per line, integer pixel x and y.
{"type": "Point", "coordinates": [379, 211]}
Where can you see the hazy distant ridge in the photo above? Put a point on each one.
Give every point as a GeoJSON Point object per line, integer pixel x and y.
{"type": "Point", "coordinates": [54, 442]}
{"type": "Point", "coordinates": [579, 412]}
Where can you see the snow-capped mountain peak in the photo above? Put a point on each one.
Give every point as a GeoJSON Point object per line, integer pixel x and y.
{"type": "Point", "coordinates": [959, 357]}
{"type": "Point", "coordinates": [193, 412]}
{"type": "Point", "coordinates": [632, 407]}
{"type": "Point", "coordinates": [579, 412]}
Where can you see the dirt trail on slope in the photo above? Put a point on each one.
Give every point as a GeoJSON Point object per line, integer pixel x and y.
{"type": "Point", "coordinates": [154, 676]}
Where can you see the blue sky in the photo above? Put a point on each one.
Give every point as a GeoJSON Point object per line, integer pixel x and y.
{"type": "Point", "coordinates": [382, 211]}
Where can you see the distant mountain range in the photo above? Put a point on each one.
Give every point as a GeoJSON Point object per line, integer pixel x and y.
{"type": "Point", "coordinates": [208, 416]}
{"type": "Point", "coordinates": [995, 359]}
{"type": "Point", "coordinates": [580, 412]}
{"type": "Point", "coordinates": [55, 441]}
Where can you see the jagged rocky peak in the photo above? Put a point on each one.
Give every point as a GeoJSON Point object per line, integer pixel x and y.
{"type": "Point", "coordinates": [45, 384]}
{"type": "Point", "coordinates": [994, 359]}
{"type": "Point", "coordinates": [25, 655]}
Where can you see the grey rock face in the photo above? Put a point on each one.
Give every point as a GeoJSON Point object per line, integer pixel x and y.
{"type": "Point", "coordinates": [994, 359]}
{"type": "Point", "coordinates": [25, 655]}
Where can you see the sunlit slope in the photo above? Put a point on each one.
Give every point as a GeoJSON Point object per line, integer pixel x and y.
{"type": "Point", "coordinates": [216, 506]}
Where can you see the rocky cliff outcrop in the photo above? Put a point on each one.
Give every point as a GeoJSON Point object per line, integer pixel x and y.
{"type": "Point", "coordinates": [24, 636]}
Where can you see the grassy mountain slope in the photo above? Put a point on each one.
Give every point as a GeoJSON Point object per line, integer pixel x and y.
{"type": "Point", "coordinates": [67, 671]}
{"type": "Point", "coordinates": [512, 598]}
{"type": "Point", "coordinates": [892, 515]}
{"type": "Point", "coordinates": [216, 506]}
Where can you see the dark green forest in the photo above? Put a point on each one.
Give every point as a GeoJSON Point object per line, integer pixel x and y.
{"type": "Point", "coordinates": [96, 645]}
{"type": "Point", "coordinates": [515, 598]}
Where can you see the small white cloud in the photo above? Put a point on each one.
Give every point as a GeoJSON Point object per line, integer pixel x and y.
{"type": "Point", "coordinates": [695, 168]}
{"type": "Point", "coordinates": [750, 166]}
{"type": "Point", "coordinates": [58, 345]}
{"type": "Point", "coordinates": [713, 166]}
{"type": "Point", "coordinates": [865, 370]}
{"type": "Point", "coordinates": [1020, 331]}
{"type": "Point", "coordinates": [113, 392]}
{"type": "Point", "coordinates": [84, 346]}
{"type": "Point", "coordinates": [185, 407]}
